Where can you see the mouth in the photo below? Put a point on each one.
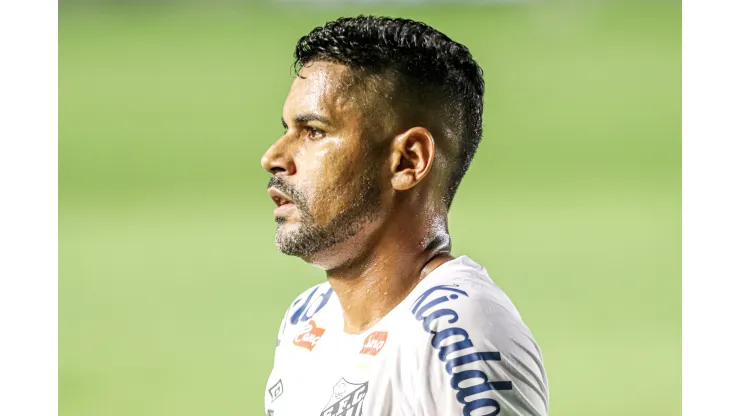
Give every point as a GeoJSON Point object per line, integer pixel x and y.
{"type": "Point", "coordinates": [282, 200]}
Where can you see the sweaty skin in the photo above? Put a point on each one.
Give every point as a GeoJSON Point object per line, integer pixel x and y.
{"type": "Point", "coordinates": [367, 196]}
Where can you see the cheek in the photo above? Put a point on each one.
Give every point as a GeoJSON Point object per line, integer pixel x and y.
{"type": "Point", "coordinates": [331, 183]}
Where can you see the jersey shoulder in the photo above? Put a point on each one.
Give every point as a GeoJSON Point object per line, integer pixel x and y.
{"type": "Point", "coordinates": [464, 296]}
{"type": "Point", "coordinates": [466, 326]}
{"type": "Point", "coordinates": [471, 308]}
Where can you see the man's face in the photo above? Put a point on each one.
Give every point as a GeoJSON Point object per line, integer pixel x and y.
{"type": "Point", "coordinates": [326, 178]}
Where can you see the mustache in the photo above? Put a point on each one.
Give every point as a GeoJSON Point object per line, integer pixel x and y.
{"type": "Point", "coordinates": [283, 186]}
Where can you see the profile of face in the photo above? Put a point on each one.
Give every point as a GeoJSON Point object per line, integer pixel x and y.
{"type": "Point", "coordinates": [327, 175]}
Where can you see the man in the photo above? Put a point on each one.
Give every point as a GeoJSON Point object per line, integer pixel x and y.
{"type": "Point", "coordinates": [381, 123]}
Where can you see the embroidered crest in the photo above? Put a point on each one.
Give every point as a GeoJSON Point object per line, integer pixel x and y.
{"type": "Point", "coordinates": [346, 399]}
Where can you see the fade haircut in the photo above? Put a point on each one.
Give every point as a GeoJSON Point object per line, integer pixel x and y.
{"type": "Point", "coordinates": [440, 82]}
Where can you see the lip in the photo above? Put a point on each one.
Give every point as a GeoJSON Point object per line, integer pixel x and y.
{"type": "Point", "coordinates": [284, 202]}
{"type": "Point", "coordinates": [283, 210]}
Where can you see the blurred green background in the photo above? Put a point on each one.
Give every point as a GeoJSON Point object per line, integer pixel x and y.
{"type": "Point", "coordinates": [171, 290]}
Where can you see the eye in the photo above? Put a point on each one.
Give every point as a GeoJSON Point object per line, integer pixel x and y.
{"type": "Point", "coordinates": [312, 133]}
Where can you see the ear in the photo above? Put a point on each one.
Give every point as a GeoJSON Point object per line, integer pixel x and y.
{"type": "Point", "coordinates": [411, 158]}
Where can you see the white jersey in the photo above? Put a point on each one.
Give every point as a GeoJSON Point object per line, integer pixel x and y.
{"type": "Point", "coordinates": [455, 346]}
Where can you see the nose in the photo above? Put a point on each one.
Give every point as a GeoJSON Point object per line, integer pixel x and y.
{"type": "Point", "coordinates": [278, 158]}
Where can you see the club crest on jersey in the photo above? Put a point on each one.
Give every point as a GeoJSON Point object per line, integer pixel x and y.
{"type": "Point", "coordinates": [308, 336]}
{"type": "Point", "coordinates": [374, 343]}
{"type": "Point", "coordinates": [346, 399]}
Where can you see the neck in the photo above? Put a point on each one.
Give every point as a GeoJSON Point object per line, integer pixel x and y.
{"type": "Point", "coordinates": [370, 286]}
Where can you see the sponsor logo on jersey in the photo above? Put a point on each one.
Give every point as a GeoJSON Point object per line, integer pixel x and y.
{"type": "Point", "coordinates": [456, 349]}
{"type": "Point", "coordinates": [276, 390]}
{"type": "Point", "coordinates": [346, 399]}
{"type": "Point", "coordinates": [304, 308]}
{"type": "Point", "coordinates": [374, 343]}
{"type": "Point", "coordinates": [308, 336]}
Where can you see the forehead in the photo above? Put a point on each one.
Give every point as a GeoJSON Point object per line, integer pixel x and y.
{"type": "Point", "coordinates": [324, 87]}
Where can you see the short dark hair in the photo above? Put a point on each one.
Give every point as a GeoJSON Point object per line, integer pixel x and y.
{"type": "Point", "coordinates": [438, 73]}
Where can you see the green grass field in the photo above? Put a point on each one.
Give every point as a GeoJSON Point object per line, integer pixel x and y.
{"type": "Point", "coordinates": [171, 289]}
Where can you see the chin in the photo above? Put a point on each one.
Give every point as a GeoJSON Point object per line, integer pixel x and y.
{"type": "Point", "coordinates": [292, 240]}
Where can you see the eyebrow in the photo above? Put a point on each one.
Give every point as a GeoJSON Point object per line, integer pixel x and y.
{"type": "Point", "coordinates": [305, 118]}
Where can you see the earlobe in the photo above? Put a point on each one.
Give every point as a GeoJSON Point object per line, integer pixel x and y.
{"type": "Point", "coordinates": [412, 157]}
{"type": "Point", "coordinates": [402, 181]}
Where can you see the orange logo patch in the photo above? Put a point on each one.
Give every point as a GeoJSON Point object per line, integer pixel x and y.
{"type": "Point", "coordinates": [309, 336]}
{"type": "Point", "coordinates": [374, 343]}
